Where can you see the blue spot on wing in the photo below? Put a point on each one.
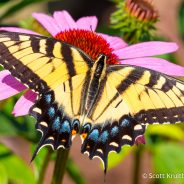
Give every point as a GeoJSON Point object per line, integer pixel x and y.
{"type": "Point", "coordinates": [125, 123]}
{"type": "Point", "coordinates": [51, 112]}
{"type": "Point", "coordinates": [65, 127]}
{"type": "Point", "coordinates": [48, 98]}
{"type": "Point", "coordinates": [94, 135]}
{"type": "Point", "coordinates": [56, 124]}
{"type": "Point", "coordinates": [104, 136]}
{"type": "Point", "coordinates": [114, 131]}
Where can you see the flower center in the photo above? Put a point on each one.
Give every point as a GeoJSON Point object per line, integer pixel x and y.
{"type": "Point", "coordinates": [142, 9]}
{"type": "Point", "coordinates": [88, 41]}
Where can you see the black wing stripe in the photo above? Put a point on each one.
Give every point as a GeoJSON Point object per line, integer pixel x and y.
{"type": "Point", "coordinates": [131, 78]}
{"type": "Point", "coordinates": [67, 56]}
{"type": "Point", "coordinates": [153, 81]}
{"type": "Point", "coordinates": [35, 44]}
{"type": "Point", "coordinates": [9, 62]}
{"type": "Point", "coordinates": [84, 94]}
{"type": "Point", "coordinates": [13, 36]}
{"type": "Point", "coordinates": [49, 47]}
{"type": "Point", "coordinates": [162, 115]}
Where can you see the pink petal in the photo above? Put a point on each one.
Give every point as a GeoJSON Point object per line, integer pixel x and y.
{"type": "Point", "coordinates": [9, 86]}
{"type": "Point", "coordinates": [114, 41]}
{"type": "Point", "coordinates": [157, 64]}
{"type": "Point", "coordinates": [146, 49]}
{"type": "Point", "coordinates": [24, 103]}
{"type": "Point", "coordinates": [64, 20]}
{"type": "Point", "coordinates": [87, 23]}
{"type": "Point", "coordinates": [19, 30]}
{"type": "Point", "coordinates": [48, 22]}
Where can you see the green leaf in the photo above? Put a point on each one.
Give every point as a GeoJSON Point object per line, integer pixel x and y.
{"type": "Point", "coordinates": [18, 6]}
{"type": "Point", "coordinates": [6, 126]}
{"type": "Point", "coordinates": [13, 126]}
{"type": "Point", "coordinates": [168, 160]}
{"type": "Point", "coordinates": [41, 163]}
{"type": "Point", "coordinates": [168, 57]}
{"type": "Point", "coordinates": [115, 159]}
{"type": "Point", "coordinates": [3, 175]}
{"type": "Point", "coordinates": [32, 24]}
{"type": "Point", "coordinates": [169, 131]}
{"type": "Point", "coordinates": [4, 2]}
{"type": "Point", "coordinates": [39, 159]}
{"type": "Point", "coordinates": [16, 169]}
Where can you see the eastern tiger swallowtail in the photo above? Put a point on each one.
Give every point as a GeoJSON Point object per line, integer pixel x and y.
{"type": "Point", "coordinates": [108, 105]}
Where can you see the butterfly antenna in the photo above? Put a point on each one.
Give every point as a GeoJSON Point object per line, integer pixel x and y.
{"type": "Point", "coordinates": [91, 28]}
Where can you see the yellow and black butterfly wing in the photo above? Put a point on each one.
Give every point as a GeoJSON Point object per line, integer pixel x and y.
{"type": "Point", "coordinates": [56, 71]}
{"type": "Point", "coordinates": [58, 113]}
{"type": "Point", "coordinates": [111, 125]}
{"type": "Point", "coordinates": [152, 97]}
{"type": "Point", "coordinates": [40, 62]}
{"type": "Point", "coordinates": [132, 97]}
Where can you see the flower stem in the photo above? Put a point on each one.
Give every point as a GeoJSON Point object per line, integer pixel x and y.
{"type": "Point", "coordinates": [60, 166]}
{"type": "Point", "coordinates": [44, 166]}
{"type": "Point", "coordinates": [74, 172]}
{"type": "Point", "coordinates": [137, 158]}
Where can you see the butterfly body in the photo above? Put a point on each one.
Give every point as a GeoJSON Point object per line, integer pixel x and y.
{"type": "Point", "coordinates": [96, 81]}
{"type": "Point", "coordinates": [107, 105]}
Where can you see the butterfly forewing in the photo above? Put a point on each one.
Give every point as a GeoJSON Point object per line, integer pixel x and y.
{"type": "Point", "coordinates": [152, 97]}
{"type": "Point", "coordinates": [37, 60]}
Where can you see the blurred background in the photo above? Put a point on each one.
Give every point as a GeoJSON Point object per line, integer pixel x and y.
{"type": "Point", "coordinates": [163, 152]}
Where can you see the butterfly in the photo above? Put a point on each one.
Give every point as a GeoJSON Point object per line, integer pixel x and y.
{"type": "Point", "coordinates": [107, 105]}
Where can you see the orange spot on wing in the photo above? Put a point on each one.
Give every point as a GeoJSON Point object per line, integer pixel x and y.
{"type": "Point", "coordinates": [84, 135]}
{"type": "Point", "coordinates": [74, 132]}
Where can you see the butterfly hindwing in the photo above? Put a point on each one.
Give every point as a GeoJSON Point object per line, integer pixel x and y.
{"type": "Point", "coordinates": [58, 113]}
{"type": "Point", "coordinates": [111, 136]}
